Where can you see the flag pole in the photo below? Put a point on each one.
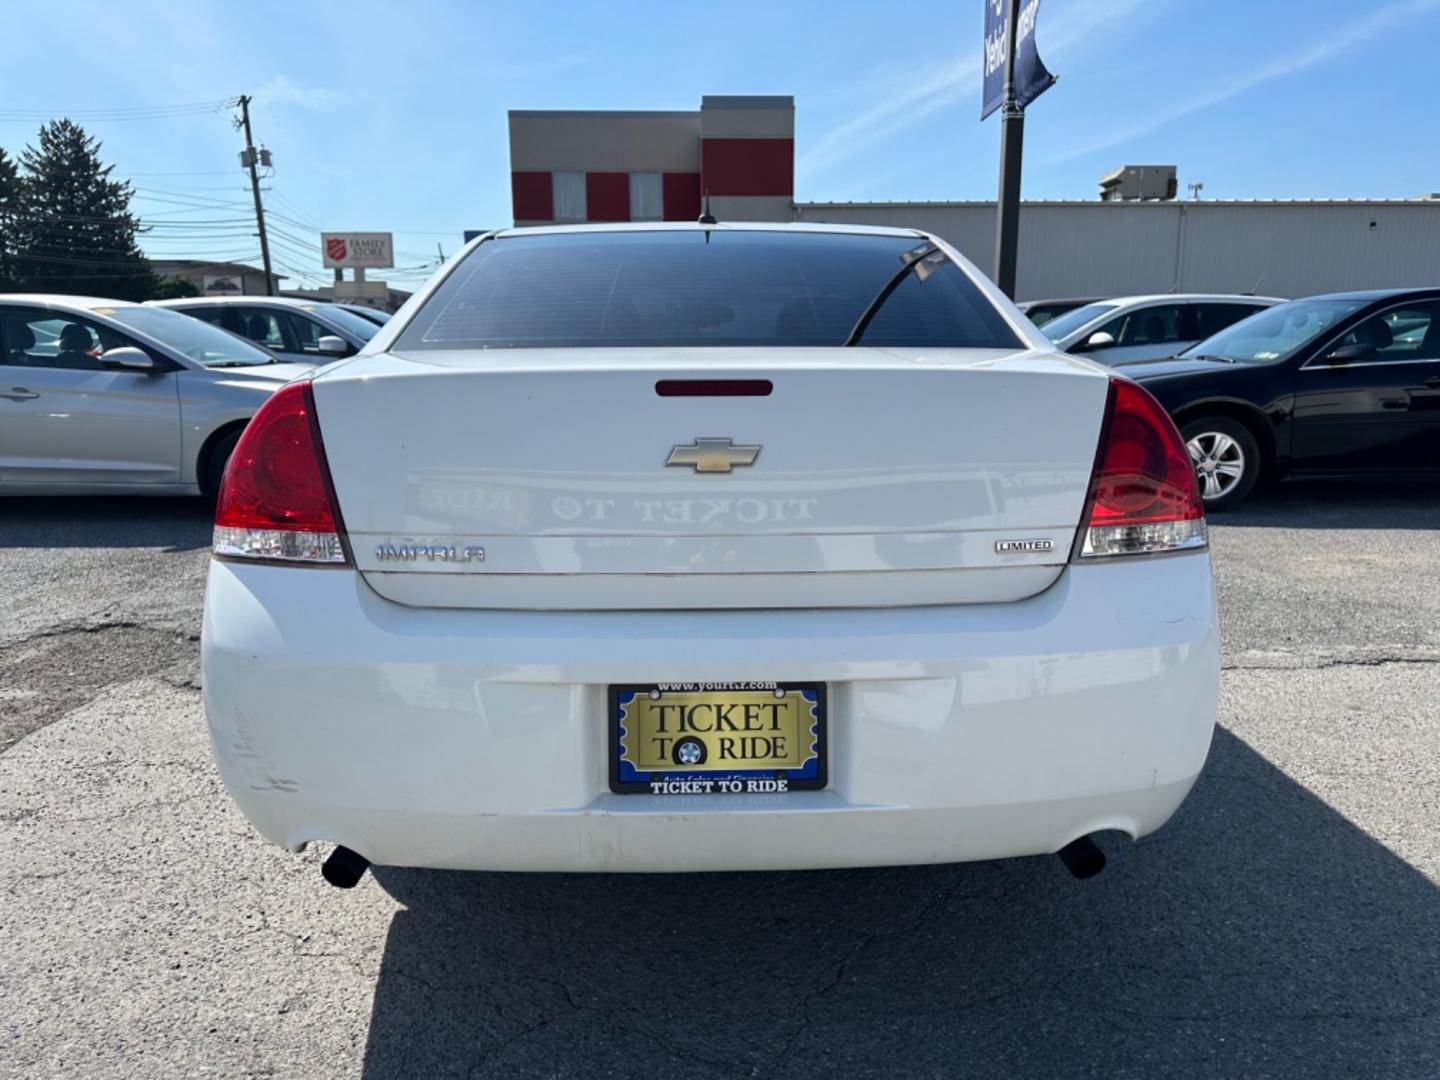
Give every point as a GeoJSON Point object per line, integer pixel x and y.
{"type": "Point", "coordinates": [1012, 142]}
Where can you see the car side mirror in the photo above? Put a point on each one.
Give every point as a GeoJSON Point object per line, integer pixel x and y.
{"type": "Point", "coordinates": [129, 358]}
{"type": "Point", "coordinates": [1100, 339]}
{"type": "Point", "coordinates": [332, 345]}
{"type": "Point", "coordinates": [1352, 354]}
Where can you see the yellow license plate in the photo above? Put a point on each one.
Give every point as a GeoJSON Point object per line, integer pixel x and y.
{"type": "Point", "coordinates": [717, 738]}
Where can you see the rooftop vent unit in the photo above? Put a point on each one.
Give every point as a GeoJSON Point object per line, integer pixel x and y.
{"type": "Point", "coordinates": [1138, 183]}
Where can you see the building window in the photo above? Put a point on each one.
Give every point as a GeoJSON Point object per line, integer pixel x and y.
{"type": "Point", "coordinates": [569, 190]}
{"type": "Point", "coordinates": [646, 200]}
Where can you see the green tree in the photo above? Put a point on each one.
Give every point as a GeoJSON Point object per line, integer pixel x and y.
{"type": "Point", "coordinates": [173, 287]}
{"type": "Point", "coordinates": [75, 231]}
{"type": "Point", "coordinates": [9, 195]}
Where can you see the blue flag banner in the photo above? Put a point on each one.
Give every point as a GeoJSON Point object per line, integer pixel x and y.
{"type": "Point", "coordinates": [1031, 78]}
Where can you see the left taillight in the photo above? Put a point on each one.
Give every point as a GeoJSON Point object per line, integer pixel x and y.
{"type": "Point", "coordinates": [276, 500]}
{"type": "Point", "coordinates": [1143, 498]}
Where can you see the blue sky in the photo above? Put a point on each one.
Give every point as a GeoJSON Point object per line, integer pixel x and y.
{"type": "Point", "coordinates": [391, 116]}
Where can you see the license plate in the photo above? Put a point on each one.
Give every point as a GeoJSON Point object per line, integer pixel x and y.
{"type": "Point", "coordinates": [717, 738]}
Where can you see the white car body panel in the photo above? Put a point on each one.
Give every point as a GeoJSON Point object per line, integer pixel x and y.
{"type": "Point", "coordinates": [562, 519]}
{"type": "Point", "coordinates": [981, 704]}
{"type": "Point", "coordinates": [1127, 305]}
{"type": "Point", "coordinates": [311, 311]}
{"type": "Point", "coordinates": [477, 739]}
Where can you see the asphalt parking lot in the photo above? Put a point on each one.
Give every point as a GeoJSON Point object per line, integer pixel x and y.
{"type": "Point", "coordinates": [1285, 923]}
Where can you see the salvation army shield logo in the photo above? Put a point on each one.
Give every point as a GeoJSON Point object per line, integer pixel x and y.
{"type": "Point", "coordinates": [335, 247]}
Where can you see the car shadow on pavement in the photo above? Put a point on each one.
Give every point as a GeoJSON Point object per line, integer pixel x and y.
{"type": "Point", "coordinates": [106, 521]}
{"type": "Point", "coordinates": [1340, 504]}
{"type": "Point", "coordinates": [1259, 934]}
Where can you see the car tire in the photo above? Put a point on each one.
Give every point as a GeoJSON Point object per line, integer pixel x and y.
{"type": "Point", "coordinates": [1227, 459]}
{"type": "Point", "coordinates": [215, 465]}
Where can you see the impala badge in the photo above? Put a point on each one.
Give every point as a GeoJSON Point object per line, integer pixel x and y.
{"type": "Point", "coordinates": [713, 455]}
{"type": "Point", "coordinates": [439, 551]}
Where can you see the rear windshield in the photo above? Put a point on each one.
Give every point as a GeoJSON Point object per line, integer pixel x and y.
{"type": "Point", "coordinates": [704, 287]}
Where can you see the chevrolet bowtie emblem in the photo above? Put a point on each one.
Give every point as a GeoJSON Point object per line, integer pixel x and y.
{"type": "Point", "coordinates": [713, 455]}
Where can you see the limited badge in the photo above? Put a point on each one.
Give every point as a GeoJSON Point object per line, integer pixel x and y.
{"type": "Point", "coordinates": [1009, 547]}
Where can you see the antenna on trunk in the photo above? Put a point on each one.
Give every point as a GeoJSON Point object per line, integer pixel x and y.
{"type": "Point", "coordinates": [706, 217]}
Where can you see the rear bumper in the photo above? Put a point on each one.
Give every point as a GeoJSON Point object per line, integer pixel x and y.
{"type": "Point", "coordinates": [478, 739]}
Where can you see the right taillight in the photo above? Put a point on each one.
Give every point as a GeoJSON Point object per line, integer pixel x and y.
{"type": "Point", "coordinates": [1143, 494]}
{"type": "Point", "coordinates": [276, 500]}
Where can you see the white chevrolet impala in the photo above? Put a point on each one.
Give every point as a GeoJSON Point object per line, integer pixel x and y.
{"type": "Point", "coordinates": [709, 547]}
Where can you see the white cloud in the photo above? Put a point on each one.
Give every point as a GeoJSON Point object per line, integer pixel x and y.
{"type": "Point", "coordinates": [282, 90]}
{"type": "Point", "coordinates": [898, 111]}
{"type": "Point", "coordinates": [955, 79]}
{"type": "Point", "coordinates": [1332, 43]}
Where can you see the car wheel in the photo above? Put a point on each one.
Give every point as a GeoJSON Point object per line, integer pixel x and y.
{"type": "Point", "coordinates": [219, 456]}
{"type": "Point", "coordinates": [1226, 457]}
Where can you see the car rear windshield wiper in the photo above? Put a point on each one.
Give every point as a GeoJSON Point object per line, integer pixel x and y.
{"type": "Point", "coordinates": [920, 259]}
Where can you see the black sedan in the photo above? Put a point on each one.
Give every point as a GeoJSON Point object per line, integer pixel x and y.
{"type": "Point", "coordinates": [1340, 385]}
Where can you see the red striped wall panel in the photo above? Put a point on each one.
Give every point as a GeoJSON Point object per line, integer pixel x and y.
{"type": "Point", "coordinates": [532, 197]}
{"type": "Point", "coordinates": [681, 192]}
{"type": "Point", "coordinates": [748, 166]}
{"type": "Point", "coordinates": [607, 196]}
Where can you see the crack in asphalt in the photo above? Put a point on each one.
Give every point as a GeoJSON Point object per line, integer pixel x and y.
{"type": "Point", "coordinates": [842, 966]}
{"type": "Point", "coordinates": [1296, 662]}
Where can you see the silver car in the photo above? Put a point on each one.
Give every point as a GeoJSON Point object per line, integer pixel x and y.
{"type": "Point", "coordinates": [375, 315]}
{"type": "Point", "coordinates": [301, 331]}
{"type": "Point", "coordinates": [1148, 327]}
{"type": "Point", "coordinates": [108, 397]}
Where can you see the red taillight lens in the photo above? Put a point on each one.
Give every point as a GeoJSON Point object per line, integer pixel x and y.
{"type": "Point", "coordinates": [276, 500]}
{"type": "Point", "coordinates": [1143, 493]}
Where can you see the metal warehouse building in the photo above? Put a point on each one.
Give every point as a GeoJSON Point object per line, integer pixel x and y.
{"type": "Point", "coordinates": [1123, 248]}
{"type": "Point", "coordinates": [576, 165]}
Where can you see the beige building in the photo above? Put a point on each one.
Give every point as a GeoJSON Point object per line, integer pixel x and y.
{"type": "Point", "coordinates": [217, 278]}
{"type": "Point", "coordinates": [655, 166]}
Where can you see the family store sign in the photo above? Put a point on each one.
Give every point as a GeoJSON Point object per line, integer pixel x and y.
{"type": "Point", "coordinates": [357, 249]}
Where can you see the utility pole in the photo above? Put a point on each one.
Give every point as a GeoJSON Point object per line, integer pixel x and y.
{"type": "Point", "coordinates": [1012, 141]}
{"type": "Point", "coordinates": [251, 158]}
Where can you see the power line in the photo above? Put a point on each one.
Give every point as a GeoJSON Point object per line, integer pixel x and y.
{"type": "Point", "coordinates": [213, 204]}
{"type": "Point", "coordinates": [190, 172]}
{"type": "Point", "coordinates": [110, 115]}
{"type": "Point", "coordinates": [185, 198]}
{"type": "Point", "coordinates": [304, 214]}
{"type": "Point", "coordinates": [186, 189]}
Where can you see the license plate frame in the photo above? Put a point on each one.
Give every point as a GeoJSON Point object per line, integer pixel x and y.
{"type": "Point", "coordinates": [630, 774]}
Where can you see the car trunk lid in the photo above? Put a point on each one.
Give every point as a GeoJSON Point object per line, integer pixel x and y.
{"type": "Point", "coordinates": [875, 477]}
